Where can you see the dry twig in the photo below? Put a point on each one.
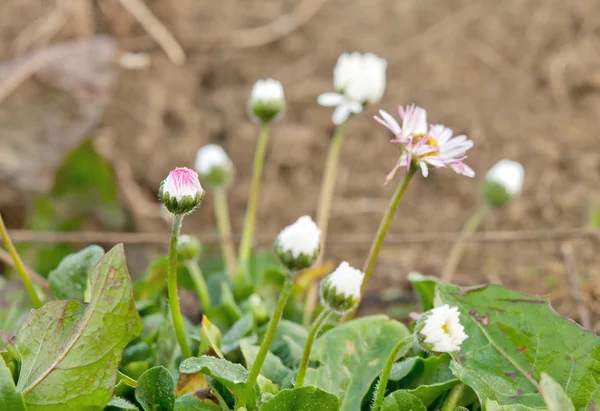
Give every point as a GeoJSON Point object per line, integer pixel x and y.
{"type": "Point", "coordinates": [155, 29]}
{"type": "Point", "coordinates": [412, 238]}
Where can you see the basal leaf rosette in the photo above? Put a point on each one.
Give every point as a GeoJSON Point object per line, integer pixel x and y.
{"type": "Point", "coordinates": [297, 246]}
{"type": "Point", "coordinates": [514, 339]}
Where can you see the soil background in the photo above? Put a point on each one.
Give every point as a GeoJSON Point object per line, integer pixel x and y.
{"type": "Point", "coordinates": [519, 77]}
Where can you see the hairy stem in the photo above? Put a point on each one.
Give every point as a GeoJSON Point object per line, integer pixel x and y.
{"type": "Point", "coordinates": [324, 210]}
{"type": "Point", "coordinates": [172, 289]}
{"type": "Point", "coordinates": [454, 397]}
{"type": "Point", "coordinates": [200, 285]}
{"type": "Point", "coordinates": [249, 220]}
{"type": "Point", "coordinates": [267, 340]}
{"type": "Point", "coordinates": [19, 266]}
{"type": "Point", "coordinates": [381, 233]}
{"type": "Point", "coordinates": [224, 225]}
{"type": "Point", "coordinates": [399, 349]}
{"type": "Point", "coordinates": [310, 339]}
{"type": "Point", "coordinates": [459, 246]}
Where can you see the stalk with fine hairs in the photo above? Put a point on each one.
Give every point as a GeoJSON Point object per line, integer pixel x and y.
{"type": "Point", "coordinates": [19, 266]}
{"type": "Point", "coordinates": [224, 226]}
{"type": "Point", "coordinates": [249, 219]}
{"type": "Point", "coordinates": [266, 343]}
{"type": "Point", "coordinates": [324, 210]}
{"type": "Point", "coordinates": [382, 231]}
{"type": "Point", "coordinates": [310, 339]}
{"type": "Point", "coordinates": [172, 289]}
{"type": "Point", "coordinates": [459, 246]}
{"type": "Point", "coordinates": [399, 349]}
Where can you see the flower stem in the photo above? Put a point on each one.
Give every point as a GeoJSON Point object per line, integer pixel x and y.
{"type": "Point", "coordinates": [249, 220]}
{"type": "Point", "coordinates": [19, 266]}
{"type": "Point", "coordinates": [459, 246]}
{"type": "Point", "coordinates": [404, 345]}
{"type": "Point", "coordinates": [381, 233]}
{"type": "Point", "coordinates": [200, 284]}
{"type": "Point", "coordinates": [267, 340]}
{"type": "Point", "coordinates": [310, 339]}
{"type": "Point", "coordinates": [172, 289]}
{"type": "Point", "coordinates": [454, 397]}
{"type": "Point", "coordinates": [324, 210]}
{"type": "Point", "coordinates": [222, 214]}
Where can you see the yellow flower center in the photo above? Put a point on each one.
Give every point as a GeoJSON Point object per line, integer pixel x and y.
{"type": "Point", "coordinates": [445, 329]}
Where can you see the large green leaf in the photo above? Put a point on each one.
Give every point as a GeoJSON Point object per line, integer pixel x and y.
{"type": "Point", "coordinates": [68, 281]}
{"type": "Point", "coordinates": [302, 399]}
{"type": "Point", "coordinates": [351, 356]}
{"type": "Point", "coordinates": [554, 395]}
{"type": "Point", "coordinates": [155, 390]}
{"type": "Point", "coordinates": [402, 400]}
{"type": "Point", "coordinates": [194, 402]}
{"type": "Point", "coordinates": [10, 398]}
{"type": "Point", "coordinates": [233, 376]}
{"type": "Point", "coordinates": [513, 338]}
{"type": "Point", "coordinates": [14, 305]}
{"type": "Point", "coordinates": [121, 403]}
{"type": "Point", "coordinates": [70, 350]}
{"type": "Point", "coordinates": [425, 378]}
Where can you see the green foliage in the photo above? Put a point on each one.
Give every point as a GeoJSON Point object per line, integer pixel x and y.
{"type": "Point", "coordinates": [190, 402]}
{"type": "Point", "coordinates": [302, 399]}
{"type": "Point", "coordinates": [14, 304]}
{"type": "Point", "coordinates": [121, 403]}
{"type": "Point", "coordinates": [273, 368]}
{"type": "Point", "coordinates": [513, 339]}
{"type": "Point", "coordinates": [69, 280]}
{"type": "Point", "coordinates": [554, 395]}
{"type": "Point", "coordinates": [402, 400]}
{"type": "Point", "coordinates": [10, 398]}
{"type": "Point", "coordinates": [155, 390]}
{"type": "Point", "coordinates": [359, 347]}
{"type": "Point", "coordinates": [70, 351]}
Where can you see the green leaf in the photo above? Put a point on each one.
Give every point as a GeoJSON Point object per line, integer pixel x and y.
{"type": "Point", "coordinates": [68, 281]}
{"type": "Point", "coordinates": [242, 327]}
{"type": "Point", "coordinates": [424, 286]}
{"type": "Point", "coordinates": [513, 338]}
{"type": "Point", "coordinates": [155, 390]}
{"type": "Point", "coordinates": [70, 351]}
{"type": "Point", "coordinates": [10, 398]}
{"type": "Point", "coordinates": [121, 403]}
{"type": "Point", "coordinates": [165, 347]}
{"type": "Point", "coordinates": [288, 342]}
{"type": "Point", "coordinates": [554, 395]}
{"type": "Point", "coordinates": [494, 406]}
{"type": "Point", "coordinates": [233, 376]}
{"type": "Point", "coordinates": [14, 304]}
{"type": "Point", "coordinates": [192, 402]}
{"type": "Point", "coordinates": [402, 400]}
{"type": "Point", "coordinates": [302, 399]}
{"type": "Point", "coordinates": [272, 368]}
{"type": "Point", "coordinates": [351, 356]}
{"type": "Point", "coordinates": [425, 378]}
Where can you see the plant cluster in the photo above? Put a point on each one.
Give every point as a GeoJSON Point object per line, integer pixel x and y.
{"type": "Point", "coordinates": [277, 330]}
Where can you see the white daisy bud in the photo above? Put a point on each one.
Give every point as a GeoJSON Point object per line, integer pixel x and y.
{"type": "Point", "coordinates": [214, 166]}
{"type": "Point", "coordinates": [181, 191]}
{"type": "Point", "coordinates": [297, 246]}
{"type": "Point", "coordinates": [340, 291]}
{"type": "Point", "coordinates": [359, 79]}
{"type": "Point", "coordinates": [267, 100]}
{"type": "Point", "coordinates": [503, 182]}
{"type": "Point", "coordinates": [188, 248]}
{"type": "Point", "coordinates": [440, 330]}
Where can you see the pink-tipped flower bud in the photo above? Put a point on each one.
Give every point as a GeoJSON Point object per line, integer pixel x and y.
{"type": "Point", "coordinates": [181, 191]}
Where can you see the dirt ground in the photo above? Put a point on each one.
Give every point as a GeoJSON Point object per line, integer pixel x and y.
{"type": "Point", "coordinates": [519, 77]}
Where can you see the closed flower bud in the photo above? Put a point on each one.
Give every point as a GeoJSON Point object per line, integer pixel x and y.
{"type": "Point", "coordinates": [440, 330]}
{"type": "Point", "coordinates": [503, 182]}
{"type": "Point", "coordinates": [267, 100]}
{"type": "Point", "coordinates": [258, 308]}
{"type": "Point", "coordinates": [340, 291]}
{"type": "Point", "coordinates": [214, 166]}
{"type": "Point", "coordinates": [188, 248]}
{"type": "Point", "coordinates": [297, 246]}
{"type": "Point", "coordinates": [181, 191]}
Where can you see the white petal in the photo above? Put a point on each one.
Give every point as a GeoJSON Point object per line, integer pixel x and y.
{"type": "Point", "coordinates": [340, 114]}
{"type": "Point", "coordinates": [424, 169]}
{"type": "Point", "coordinates": [330, 99]}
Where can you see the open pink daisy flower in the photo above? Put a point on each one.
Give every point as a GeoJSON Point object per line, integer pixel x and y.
{"type": "Point", "coordinates": [426, 147]}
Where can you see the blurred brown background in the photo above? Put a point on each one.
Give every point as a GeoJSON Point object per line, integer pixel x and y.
{"type": "Point", "coordinates": [519, 77]}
